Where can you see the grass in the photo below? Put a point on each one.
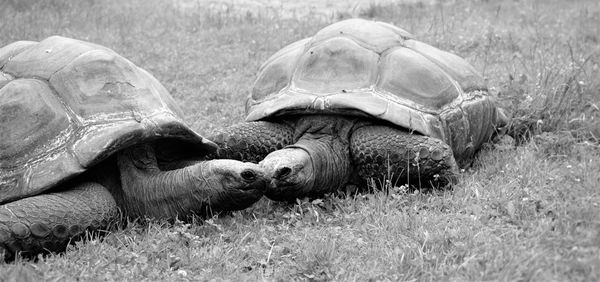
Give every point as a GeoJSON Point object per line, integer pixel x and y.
{"type": "Point", "coordinates": [524, 213]}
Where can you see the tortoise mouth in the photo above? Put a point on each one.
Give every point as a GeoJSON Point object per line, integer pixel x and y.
{"type": "Point", "coordinates": [283, 184]}
{"type": "Point", "coordinates": [256, 185]}
{"type": "Point", "coordinates": [282, 191]}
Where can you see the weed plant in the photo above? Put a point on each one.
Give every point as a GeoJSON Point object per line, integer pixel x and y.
{"type": "Point", "coordinates": [519, 213]}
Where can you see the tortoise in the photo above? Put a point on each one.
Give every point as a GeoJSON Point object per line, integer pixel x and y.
{"type": "Point", "coordinates": [87, 137]}
{"type": "Point", "coordinates": [361, 100]}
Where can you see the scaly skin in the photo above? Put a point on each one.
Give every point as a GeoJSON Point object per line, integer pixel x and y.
{"type": "Point", "coordinates": [311, 167]}
{"type": "Point", "coordinates": [252, 142]}
{"type": "Point", "coordinates": [214, 185]}
{"type": "Point", "coordinates": [382, 152]}
{"type": "Point", "coordinates": [49, 221]}
{"type": "Point", "coordinates": [133, 183]}
{"type": "Point", "coordinates": [332, 151]}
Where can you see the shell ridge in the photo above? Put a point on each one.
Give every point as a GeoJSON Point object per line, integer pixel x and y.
{"type": "Point", "coordinates": [71, 62]}
{"type": "Point", "coordinates": [407, 35]}
{"type": "Point", "coordinates": [470, 73]}
{"type": "Point", "coordinates": [17, 53]}
{"type": "Point", "coordinates": [63, 137]}
{"type": "Point", "coordinates": [360, 42]}
{"type": "Point", "coordinates": [279, 54]}
{"type": "Point", "coordinates": [73, 116]}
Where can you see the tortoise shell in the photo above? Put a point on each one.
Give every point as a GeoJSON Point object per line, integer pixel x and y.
{"type": "Point", "coordinates": [361, 67]}
{"type": "Point", "coordinates": [66, 104]}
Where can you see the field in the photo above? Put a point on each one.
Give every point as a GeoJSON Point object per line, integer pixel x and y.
{"type": "Point", "coordinates": [527, 213]}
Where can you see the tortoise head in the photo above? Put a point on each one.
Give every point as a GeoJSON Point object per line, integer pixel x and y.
{"type": "Point", "coordinates": [290, 170]}
{"type": "Point", "coordinates": [233, 175]}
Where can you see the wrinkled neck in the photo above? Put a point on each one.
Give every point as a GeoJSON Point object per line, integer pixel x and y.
{"type": "Point", "coordinates": [330, 156]}
{"type": "Point", "coordinates": [150, 192]}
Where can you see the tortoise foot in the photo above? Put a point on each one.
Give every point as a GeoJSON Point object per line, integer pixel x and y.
{"type": "Point", "coordinates": [398, 157]}
{"type": "Point", "coordinates": [48, 222]}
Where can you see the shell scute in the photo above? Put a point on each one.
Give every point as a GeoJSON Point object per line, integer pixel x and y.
{"type": "Point", "coordinates": [11, 50]}
{"type": "Point", "coordinates": [463, 72]}
{"type": "Point", "coordinates": [161, 92]}
{"type": "Point", "coordinates": [335, 65]}
{"type": "Point", "coordinates": [31, 117]}
{"type": "Point", "coordinates": [98, 85]}
{"type": "Point", "coordinates": [5, 78]}
{"type": "Point", "coordinates": [417, 80]}
{"type": "Point", "coordinates": [374, 36]}
{"type": "Point", "coordinates": [403, 33]}
{"type": "Point", "coordinates": [277, 72]}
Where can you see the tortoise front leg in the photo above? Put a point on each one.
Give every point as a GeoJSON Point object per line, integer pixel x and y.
{"type": "Point", "coordinates": [251, 141]}
{"type": "Point", "coordinates": [382, 152]}
{"type": "Point", "coordinates": [47, 222]}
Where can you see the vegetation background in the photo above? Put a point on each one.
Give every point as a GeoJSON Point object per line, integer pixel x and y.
{"type": "Point", "coordinates": [529, 212]}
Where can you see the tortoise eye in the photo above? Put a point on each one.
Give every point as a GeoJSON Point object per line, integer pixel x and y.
{"type": "Point", "coordinates": [248, 175]}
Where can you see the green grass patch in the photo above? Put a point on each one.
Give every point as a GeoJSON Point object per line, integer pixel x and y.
{"type": "Point", "coordinates": [525, 213]}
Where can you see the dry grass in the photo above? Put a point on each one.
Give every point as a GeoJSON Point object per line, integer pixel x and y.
{"type": "Point", "coordinates": [529, 213]}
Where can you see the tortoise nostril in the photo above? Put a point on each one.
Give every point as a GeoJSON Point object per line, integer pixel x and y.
{"type": "Point", "coordinates": [282, 172]}
{"type": "Point", "coordinates": [248, 175]}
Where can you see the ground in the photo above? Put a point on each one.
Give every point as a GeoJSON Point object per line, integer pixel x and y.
{"type": "Point", "coordinates": [524, 213]}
